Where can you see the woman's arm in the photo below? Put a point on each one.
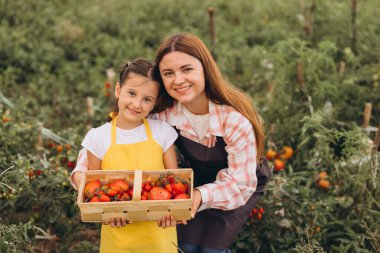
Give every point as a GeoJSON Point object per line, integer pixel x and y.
{"type": "Point", "coordinates": [236, 184]}
{"type": "Point", "coordinates": [170, 158]}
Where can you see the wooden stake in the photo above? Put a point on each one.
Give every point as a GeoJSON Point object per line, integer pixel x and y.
{"type": "Point", "coordinates": [377, 139]}
{"type": "Point", "coordinates": [367, 115]}
{"type": "Point", "coordinates": [353, 25]}
{"type": "Point", "coordinates": [309, 19]}
{"type": "Point", "coordinates": [342, 69]}
{"type": "Point", "coordinates": [39, 145]}
{"type": "Point", "coordinates": [212, 30]}
{"type": "Point", "coordinates": [300, 78]}
{"type": "Point", "coordinates": [90, 111]}
{"type": "Point", "coordinates": [270, 90]}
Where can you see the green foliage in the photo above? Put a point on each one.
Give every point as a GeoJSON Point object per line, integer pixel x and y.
{"type": "Point", "coordinates": [309, 87]}
{"type": "Point", "coordinates": [15, 238]}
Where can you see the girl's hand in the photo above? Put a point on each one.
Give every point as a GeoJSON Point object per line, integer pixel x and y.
{"type": "Point", "coordinates": [197, 201]}
{"type": "Point", "coordinates": [169, 221]}
{"type": "Point", "coordinates": [77, 178]}
{"type": "Point", "coordinates": [117, 222]}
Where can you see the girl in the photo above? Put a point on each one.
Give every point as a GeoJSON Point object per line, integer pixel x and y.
{"type": "Point", "coordinates": [129, 142]}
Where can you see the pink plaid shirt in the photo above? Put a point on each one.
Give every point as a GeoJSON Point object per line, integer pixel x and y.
{"type": "Point", "coordinates": [233, 185]}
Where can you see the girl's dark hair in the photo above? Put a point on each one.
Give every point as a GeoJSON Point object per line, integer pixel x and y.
{"type": "Point", "coordinates": [143, 68]}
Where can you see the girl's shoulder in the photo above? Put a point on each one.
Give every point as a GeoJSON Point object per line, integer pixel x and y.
{"type": "Point", "coordinates": [100, 130]}
{"type": "Point", "coordinates": [158, 125]}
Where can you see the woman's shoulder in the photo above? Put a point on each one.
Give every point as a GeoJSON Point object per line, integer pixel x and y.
{"type": "Point", "coordinates": [232, 119]}
{"type": "Point", "coordinates": [230, 115]}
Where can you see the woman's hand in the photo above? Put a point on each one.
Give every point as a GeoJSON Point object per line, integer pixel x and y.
{"type": "Point", "coordinates": [117, 222]}
{"type": "Point", "coordinates": [197, 201]}
{"type": "Point", "coordinates": [169, 221]}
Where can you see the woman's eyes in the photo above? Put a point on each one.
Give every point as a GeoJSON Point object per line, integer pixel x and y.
{"type": "Point", "coordinates": [185, 70]}
{"type": "Point", "coordinates": [168, 74]}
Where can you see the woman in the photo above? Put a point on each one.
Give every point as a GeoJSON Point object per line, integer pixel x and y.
{"type": "Point", "coordinates": [220, 136]}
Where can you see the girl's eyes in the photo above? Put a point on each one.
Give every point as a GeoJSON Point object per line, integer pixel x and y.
{"type": "Point", "coordinates": [148, 100]}
{"type": "Point", "coordinates": [131, 93]}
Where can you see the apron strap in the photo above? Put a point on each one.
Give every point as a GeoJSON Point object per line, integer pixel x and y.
{"type": "Point", "coordinates": [113, 131]}
{"type": "Point", "coordinates": [147, 130]}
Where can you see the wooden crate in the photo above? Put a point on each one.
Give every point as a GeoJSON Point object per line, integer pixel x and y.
{"type": "Point", "coordinates": [136, 209]}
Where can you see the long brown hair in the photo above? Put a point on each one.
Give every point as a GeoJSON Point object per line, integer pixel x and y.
{"type": "Point", "coordinates": [217, 88]}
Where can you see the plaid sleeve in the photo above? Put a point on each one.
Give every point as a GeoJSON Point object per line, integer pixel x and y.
{"type": "Point", "coordinates": [82, 165]}
{"type": "Point", "coordinates": [236, 184]}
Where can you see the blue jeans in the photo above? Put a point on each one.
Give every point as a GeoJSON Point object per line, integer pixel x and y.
{"type": "Point", "coordinates": [191, 248]}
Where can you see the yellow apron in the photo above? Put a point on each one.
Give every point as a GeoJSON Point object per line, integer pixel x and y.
{"type": "Point", "coordinates": [139, 237]}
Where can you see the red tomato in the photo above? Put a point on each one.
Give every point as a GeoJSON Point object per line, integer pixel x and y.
{"type": "Point", "coordinates": [122, 183]}
{"type": "Point", "coordinates": [100, 198]}
{"type": "Point", "coordinates": [130, 192]}
{"type": "Point", "coordinates": [91, 187]}
{"type": "Point", "coordinates": [114, 187]}
{"type": "Point", "coordinates": [279, 164]}
{"type": "Point", "coordinates": [94, 199]}
{"type": "Point", "coordinates": [179, 188]}
{"type": "Point", "coordinates": [147, 186]}
{"type": "Point", "coordinates": [187, 188]}
{"type": "Point", "coordinates": [182, 196]}
{"type": "Point", "coordinates": [254, 211]}
{"type": "Point", "coordinates": [159, 193]}
{"type": "Point", "coordinates": [286, 153]}
{"type": "Point", "coordinates": [145, 193]}
{"type": "Point", "coordinates": [125, 196]}
{"type": "Point", "coordinates": [111, 193]}
{"type": "Point", "coordinates": [105, 187]}
{"type": "Point", "coordinates": [104, 198]}
{"type": "Point", "coordinates": [169, 188]}
{"type": "Point", "coordinates": [271, 154]}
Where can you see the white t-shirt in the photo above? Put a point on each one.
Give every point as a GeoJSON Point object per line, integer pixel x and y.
{"type": "Point", "coordinates": [98, 140]}
{"type": "Point", "coordinates": [199, 123]}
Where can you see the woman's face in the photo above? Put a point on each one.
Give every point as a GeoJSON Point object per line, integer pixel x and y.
{"type": "Point", "coordinates": [184, 79]}
{"type": "Point", "coordinates": [136, 98]}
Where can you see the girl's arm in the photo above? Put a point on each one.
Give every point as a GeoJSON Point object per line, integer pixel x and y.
{"type": "Point", "coordinates": [170, 158]}
{"type": "Point", "coordinates": [81, 166]}
{"type": "Point", "coordinates": [93, 162]}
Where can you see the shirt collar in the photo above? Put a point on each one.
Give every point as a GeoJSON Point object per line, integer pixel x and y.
{"type": "Point", "coordinates": [216, 118]}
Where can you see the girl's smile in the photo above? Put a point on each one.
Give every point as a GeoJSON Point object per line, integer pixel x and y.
{"type": "Point", "coordinates": [136, 98]}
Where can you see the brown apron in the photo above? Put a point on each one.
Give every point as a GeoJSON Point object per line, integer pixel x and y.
{"type": "Point", "coordinates": [214, 228]}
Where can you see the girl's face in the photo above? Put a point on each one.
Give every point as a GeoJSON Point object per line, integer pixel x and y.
{"type": "Point", "coordinates": [136, 98]}
{"type": "Point", "coordinates": [184, 80]}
